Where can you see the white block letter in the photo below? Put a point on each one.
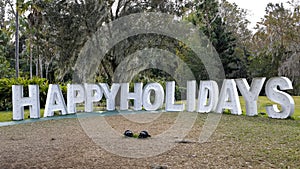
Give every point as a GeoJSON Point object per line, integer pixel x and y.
{"type": "Point", "coordinates": [55, 101]}
{"type": "Point", "coordinates": [191, 96]}
{"type": "Point", "coordinates": [229, 98]}
{"type": "Point", "coordinates": [136, 96]}
{"type": "Point", "coordinates": [170, 98]}
{"type": "Point", "coordinates": [250, 94]}
{"type": "Point", "coordinates": [158, 95]}
{"type": "Point", "coordinates": [208, 96]}
{"type": "Point", "coordinates": [285, 100]}
{"type": "Point", "coordinates": [110, 95]}
{"type": "Point", "coordinates": [93, 93]}
{"type": "Point", "coordinates": [75, 94]}
{"type": "Point", "coordinates": [19, 101]}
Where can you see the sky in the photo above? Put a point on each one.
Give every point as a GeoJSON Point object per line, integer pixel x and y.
{"type": "Point", "coordinates": [256, 8]}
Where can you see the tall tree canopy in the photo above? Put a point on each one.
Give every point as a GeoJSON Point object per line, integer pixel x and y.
{"type": "Point", "coordinates": [277, 43]}
{"type": "Point", "coordinates": [207, 16]}
{"type": "Point", "coordinates": [53, 32]}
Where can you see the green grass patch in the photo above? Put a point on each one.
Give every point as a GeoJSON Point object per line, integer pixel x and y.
{"type": "Point", "coordinates": [262, 103]}
{"type": "Point", "coordinates": [7, 115]}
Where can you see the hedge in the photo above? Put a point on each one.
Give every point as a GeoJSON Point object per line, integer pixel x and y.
{"type": "Point", "coordinates": [6, 90]}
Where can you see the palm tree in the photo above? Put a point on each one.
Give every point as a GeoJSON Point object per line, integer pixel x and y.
{"type": "Point", "coordinates": [17, 40]}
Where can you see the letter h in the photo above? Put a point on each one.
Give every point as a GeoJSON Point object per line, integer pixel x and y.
{"type": "Point", "coordinates": [19, 102]}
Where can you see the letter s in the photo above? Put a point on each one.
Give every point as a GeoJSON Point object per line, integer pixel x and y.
{"type": "Point", "coordinates": [285, 100]}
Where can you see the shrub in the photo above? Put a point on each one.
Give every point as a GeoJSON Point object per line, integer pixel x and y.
{"type": "Point", "coordinates": [6, 90]}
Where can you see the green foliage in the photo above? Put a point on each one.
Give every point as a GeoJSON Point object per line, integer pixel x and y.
{"type": "Point", "coordinates": [5, 68]}
{"type": "Point", "coordinates": [69, 25]}
{"type": "Point", "coordinates": [158, 76]}
{"type": "Point", "coordinates": [276, 43]}
{"type": "Point", "coordinates": [52, 34]}
{"type": "Point", "coordinates": [6, 90]}
{"type": "Point", "coordinates": [235, 19]}
{"type": "Point", "coordinates": [206, 17]}
{"type": "Point", "coordinates": [135, 135]}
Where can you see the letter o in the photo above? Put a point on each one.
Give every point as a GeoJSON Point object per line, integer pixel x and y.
{"type": "Point", "coordinates": [159, 96]}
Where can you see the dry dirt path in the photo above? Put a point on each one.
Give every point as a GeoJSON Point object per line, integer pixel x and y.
{"type": "Point", "coordinates": [238, 142]}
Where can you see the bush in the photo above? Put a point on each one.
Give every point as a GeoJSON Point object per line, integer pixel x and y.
{"type": "Point", "coordinates": [6, 90]}
{"type": "Point", "coordinates": [180, 92]}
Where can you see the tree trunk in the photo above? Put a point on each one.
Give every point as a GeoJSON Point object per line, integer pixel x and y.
{"type": "Point", "coordinates": [41, 67]}
{"type": "Point", "coordinates": [37, 67]}
{"type": "Point", "coordinates": [17, 42]}
{"type": "Point", "coordinates": [47, 70]}
{"type": "Point", "coordinates": [30, 59]}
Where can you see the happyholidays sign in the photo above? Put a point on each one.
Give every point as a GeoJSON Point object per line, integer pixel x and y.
{"type": "Point", "coordinates": [210, 99]}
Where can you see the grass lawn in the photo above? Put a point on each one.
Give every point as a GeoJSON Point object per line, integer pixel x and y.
{"type": "Point", "coordinates": [7, 115]}
{"type": "Point", "coordinates": [262, 103]}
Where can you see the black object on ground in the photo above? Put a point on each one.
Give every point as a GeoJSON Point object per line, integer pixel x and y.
{"type": "Point", "coordinates": [128, 133]}
{"type": "Point", "coordinates": [144, 134]}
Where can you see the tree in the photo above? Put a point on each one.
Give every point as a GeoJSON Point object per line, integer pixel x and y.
{"type": "Point", "coordinates": [5, 46]}
{"type": "Point", "coordinates": [12, 29]}
{"type": "Point", "coordinates": [277, 42]}
{"type": "Point", "coordinates": [132, 44]}
{"type": "Point", "coordinates": [5, 69]}
{"type": "Point", "coordinates": [237, 23]}
{"type": "Point", "coordinates": [207, 17]}
{"type": "Point", "coordinates": [66, 26]}
{"type": "Point", "coordinates": [2, 14]}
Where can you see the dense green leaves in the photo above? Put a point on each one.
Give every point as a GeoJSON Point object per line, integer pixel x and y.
{"type": "Point", "coordinates": [207, 16]}
{"type": "Point", "coordinates": [6, 90]}
{"type": "Point", "coordinates": [5, 68]}
{"type": "Point", "coordinates": [53, 32]}
{"type": "Point", "coordinates": [277, 43]}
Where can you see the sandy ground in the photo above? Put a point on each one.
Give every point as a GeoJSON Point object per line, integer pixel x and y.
{"type": "Point", "coordinates": [65, 144]}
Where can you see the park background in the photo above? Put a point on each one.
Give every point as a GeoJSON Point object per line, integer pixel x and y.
{"type": "Point", "coordinates": [40, 42]}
